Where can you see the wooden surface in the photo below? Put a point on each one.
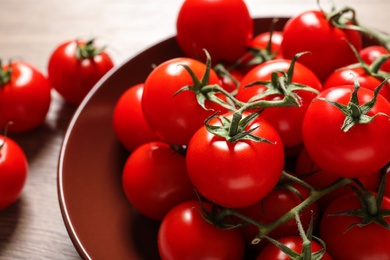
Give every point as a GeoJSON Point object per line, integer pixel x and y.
{"type": "Point", "coordinates": [33, 227]}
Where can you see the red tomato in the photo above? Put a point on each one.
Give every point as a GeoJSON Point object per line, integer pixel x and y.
{"type": "Point", "coordinates": [25, 96]}
{"type": "Point", "coordinates": [362, 150]}
{"type": "Point", "coordinates": [346, 240]}
{"type": "Point", "coordinates": [262, 40]}
{"type": "Point", "coordinates": [347, 76]}
{"type": "Point", "coordinates": [75, 67]}
{"type": "Point", "coordinates": [129, 123]}
{"type": "Point", "coordinates": [175, 118]}
{"type": "Point", "coordinates": [185, 234]}
{"type": "Point", "coordinates": [222, 27]}
{"type": "Point", "coordinates": [312, 31]}
{"type": "Point", "coordinates": [370, 53]}
{"type": "Point", "coordinates": [286, 120]}
{"type": "Point", "coordinates": [155, 179]}
{"type": "Point", "coordinates": [235, 174]}
{"type": "Point", "coordinates": [277, 203]}
{"type": "Point", "coordinates": [13, 171]}
{"type": "Point", "coordinates": [272, 252]}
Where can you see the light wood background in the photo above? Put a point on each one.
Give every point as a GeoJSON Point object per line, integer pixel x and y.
{"type": "Point", "coordinates": [30, 30]}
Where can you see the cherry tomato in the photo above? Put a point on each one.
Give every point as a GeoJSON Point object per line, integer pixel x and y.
{"type": "Point", "coordinates": [346, 240]}
{"type": "Point", "coordinates": [347, 76]}
{"type": "Point", "coordinates": [235, 174]}
{"type": "Point", "coordinates": [175, 118]}
{"type": "Point", "coordinates": [185, 234]}
{"type": "Point", "coordinates": [312, 31]}
{"type": "Point", "coordinates": [13, 171]}
{"type": "Point", "coordinates": [261, 41]}
{"type": "Point", "coordinates": [222, 27]}
{"type": "Point", "coordinates": [129, 123]}
{"type": "Point", "coordinates": [75, 67]}
{"type": "Point", "coordinates": [277, 203]}
{"type": "Point", "coordinates": [25, 97]}
{"type": "Point", "coordinates": [155, 179]}
{"type": "Point", "coordinates": [359, 151]}
{"type": "Point", "coordinates": [370, 53]}
{"type": "Point", "coordinates": [286, 120]}
{"type": "Point", "coordinates": [272, 252]}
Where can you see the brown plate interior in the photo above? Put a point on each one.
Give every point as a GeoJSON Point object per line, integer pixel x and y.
{"type": "Point", "coordinates": [100, 221]}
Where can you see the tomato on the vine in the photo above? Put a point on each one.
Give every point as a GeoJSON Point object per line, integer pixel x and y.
{"type": "Point", "coordinates": [370, 53]}
{"type": "Point", "coordinates": [235, 174]}
{"type": "Point", "coordinates": [155, 179]}
{"type": "Point", "coordinates": [222, 27]}
{"type": "Point", "coordinates": [312, 31]}
{"type": "Point", "coordinates": [185, 234]}
{"type": "Point", "coordinates": [129, 122]}
{"type": "Point", "coordinates": [25, 96]}
{"type": "Point", "coordinates": [348, 145]}
{"type": "Point", "coordinates": [75, 67]}
{"type": "Point", "coordinates": [13, 171]}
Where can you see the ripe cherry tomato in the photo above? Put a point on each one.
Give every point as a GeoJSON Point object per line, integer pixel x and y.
{"type": "Point", "coordinates": [286, 120]}
{"type": "Point", "coordinates": [129, 123]}
{"type": "Point", "coordinates": [175, 118]}
{"type": "Point", "coordinates": [155, 179]}
{"type": "Point", "coordinates": [312, 31]}
{"type": "Point", "coordinates": [222, 27]}
{"type": "Point", "coordinates": [25, 96]}
{"type": "Point", "coordinates": [75, 67]}
{"type": "Point", "coordinates": [278, 202]}
{"type": "Point", "coordinates": [346, 240]}
{"type": "Point", "coordinates": [362, 150]}
{"type": "Point", "coordinates": [235, 174]}
{"type": "Point", "coordinates": [272, 252]}
{"type": "Point", "coordinates": [13, 171]}
{"type": "Point", "coordinates": [185, 234]}
{"type": "Point", "coordinates": [370, 53]}
{"type": "Point", "coordinates": [261, 41]}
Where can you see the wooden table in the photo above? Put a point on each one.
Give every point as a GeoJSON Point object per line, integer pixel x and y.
{"type": "Point", "coordinates": [33, 227]}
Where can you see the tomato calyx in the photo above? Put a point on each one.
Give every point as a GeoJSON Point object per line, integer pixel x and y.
{"type": "Point", "coordinates": [5, 74]}
{"type": "Point", "coordinates": [87, 50]}
{"type": "Point", "coordinates": [354, 112]}
{"type": "Point", "coordinates": [371, 210]}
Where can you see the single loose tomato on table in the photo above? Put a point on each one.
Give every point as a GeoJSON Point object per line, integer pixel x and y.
{"type": "Point", "coordinates": [185, 234]}
{"type": "Point", "coordinates": [155, 179]}
{"type": "Point", "coordinates": [174, 116]}
{"type": "Point", "coordinates": [75, 67]}
{"type": "Point", "coordinates": [25, 96]}
{"type": "Point", "coordinates": [222, 27]}
{"type": "Point", "coordinates": [314, 31]}
{"type": "Point", "coordinates": [129, 122]}
{"type": "Point", "coordinates": [287, 120]}
{"type": "Point", "coordinates": [13, 171]}
{"type": "Point", "coordinates": [235, 173]}
{"type": "Point", "coordinates": [346, 133]}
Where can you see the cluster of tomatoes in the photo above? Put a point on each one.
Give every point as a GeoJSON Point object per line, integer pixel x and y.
{"type": "Point", "coordinates": [274, 142]}
{"type": "Point", "coordinates": [25, 97]}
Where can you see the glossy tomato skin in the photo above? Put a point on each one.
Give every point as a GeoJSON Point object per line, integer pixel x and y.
{"type": "Point", "coordinates": [73, 77]}
{"type": "Point", "coordinates": [175, 118]}
{"type": "Point", "coordinates": [277, 203]}
{"type": "Point", "coordinates": [367, 242]}
{"type": "Point", "coordinates": [184, 234]}
{"type": "Point", "coordinates": [129, 123]}
{"type": "Point", "coordinates": [222, 27]}
{"type": "Point", "coordinates": [13, 171]}
{"type": "Point", "coordinates": [261, 41]}
{"type": "Point", "coordinates": [360, 151]}
{"type": "Point", "coordinates": [272, 252]}
{"type": "Point", "coordinates": [25, 99]}
{"type": "Point", "coordinates": [155, 179]}
{"type": "Point", "coordinates": [286, 120]}
{"type": "Point", "coordinates": [235, 174]}
{"type": "Point", "coordinates": [346, 76]}
{"type": "Point", "coordinates": [370, 53]}
{"type": "Point", "coordinates": [311, 31]}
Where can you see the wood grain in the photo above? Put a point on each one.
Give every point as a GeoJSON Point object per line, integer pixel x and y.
{"type": "Point", "coordinates": [33, 227]}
